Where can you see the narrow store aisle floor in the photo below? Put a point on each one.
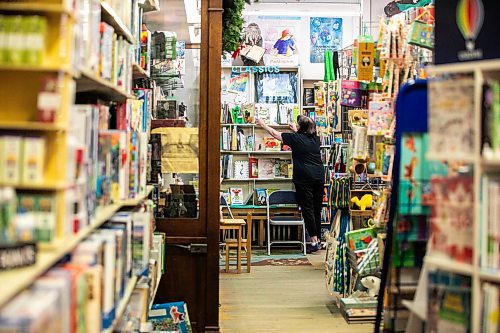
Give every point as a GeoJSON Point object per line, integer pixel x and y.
{"type": "Point", "coordinates": [284, 299]}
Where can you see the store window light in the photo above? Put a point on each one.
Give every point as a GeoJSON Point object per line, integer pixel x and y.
{"type": "Point", "coordinates": [193, 9]}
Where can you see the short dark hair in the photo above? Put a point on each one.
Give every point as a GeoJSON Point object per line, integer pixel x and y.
{"type": "Point", "coordinates": [306, 125]}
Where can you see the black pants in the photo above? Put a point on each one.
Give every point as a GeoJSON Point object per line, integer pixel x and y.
{"type": "Point", "coordinates": [310, 200]}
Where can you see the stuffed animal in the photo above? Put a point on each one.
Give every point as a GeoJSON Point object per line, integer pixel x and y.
{"type": "Point", "coordinates": [372, 283]}
{"type": "Point", "coordinates": [363, 203]}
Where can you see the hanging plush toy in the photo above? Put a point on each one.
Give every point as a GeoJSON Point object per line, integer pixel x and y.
{"type": "Point", "coordinates": [364, 203]}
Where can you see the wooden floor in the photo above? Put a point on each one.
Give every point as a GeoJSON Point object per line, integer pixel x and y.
{"type": "Point", "coordinates": [281, 299]}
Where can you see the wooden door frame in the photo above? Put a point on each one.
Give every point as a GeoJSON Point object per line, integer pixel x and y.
{"type": "Point", "coordinates": [205, 229]}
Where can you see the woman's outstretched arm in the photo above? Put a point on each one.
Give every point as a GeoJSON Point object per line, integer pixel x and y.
{"type": "Point", "coordinates": [274, 133]}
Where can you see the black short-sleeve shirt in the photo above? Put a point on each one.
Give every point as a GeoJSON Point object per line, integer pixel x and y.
{"type": "Point", "coordinates": [307, 165]}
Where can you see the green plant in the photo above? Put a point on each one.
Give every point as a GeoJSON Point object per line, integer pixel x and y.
{"type": "Point", "coordinates": [232, 25]}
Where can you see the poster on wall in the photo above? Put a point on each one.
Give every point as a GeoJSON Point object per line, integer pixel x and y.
{"type": "Point", "coordinates": [325, 34]}
{"type": "Point", "coordinates": [279, 38]}
{"type": "Point", "coordinates": [470, 24]}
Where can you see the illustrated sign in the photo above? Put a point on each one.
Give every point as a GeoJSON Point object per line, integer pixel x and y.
{"type": "Point", "coordinates": [255, 69]}
{"type": "Point", "coordinates": [366, 55]}
{"type": "Point", "coordinates": [278, 36]}
{"type": "Point", "coordinates": [470, 24]}
{"type": "Point", "coordinates": [325, 35]}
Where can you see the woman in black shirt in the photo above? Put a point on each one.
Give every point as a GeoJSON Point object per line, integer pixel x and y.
{"type": "Point", "coordinates": [308, 172]}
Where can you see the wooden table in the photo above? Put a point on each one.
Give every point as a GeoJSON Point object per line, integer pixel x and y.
{"type": "Point", "coordinates": [259, 213]}
{"type": "Point", "coordinates": [236, 225]}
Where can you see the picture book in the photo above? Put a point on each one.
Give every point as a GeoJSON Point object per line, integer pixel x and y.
{"type": "Point", "coordinates": [253, 167]}
{"type": "Point", "coordinates": [308, 97]}
{"type": "Point", "coordinates": [281, 168]}
{"type": "Point", "coordinates": [449, 302]}
{"type": "Point", "coordinates": [236, 195]}
{"type": "Point", "coordinates": [241, 169]}
{"type": "Point", "coordinates": [238, 83]}
{"type": "Point", "coordinates": [411, 174]}
{"type": "Point", "coordinates": [261, 196]}
{"type": "Point", "coordinates": [272, 144]}
{"type": "Point", "coordinates": [170, 317]}
{"type": "Point", "coordinates": [266, 168]}
{"type": "Point", "coordinates": [452, 209]}
{"type": "Point", "coordinates": [10, 159]}
{"type": "Point", "coordinates": [380, 115]}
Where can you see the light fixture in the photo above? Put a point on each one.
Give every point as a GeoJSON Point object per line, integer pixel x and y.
{"type": "Point", "coordinates": [192, 11]}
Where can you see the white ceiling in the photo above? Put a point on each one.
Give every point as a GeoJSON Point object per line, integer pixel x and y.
{"type": "Point", "coordinates": [171, 17]}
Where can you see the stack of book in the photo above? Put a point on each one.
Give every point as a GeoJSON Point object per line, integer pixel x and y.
{"type": "Point", "coordinates": [83, 293]}
{"type": "Point", "coordinates": [359, 309]}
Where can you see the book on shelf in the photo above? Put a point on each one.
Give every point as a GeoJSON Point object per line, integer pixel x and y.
{"type": "Point", "coordinates": [449, 302]}
{"type": "Point", "coordinates": [452, 209]}
{"type": "Point", "coordinates": [490, 141]}
{"type": "Point", "coordinates": [308, 97]}
{"type": "Point", "coordinates": [24, 39]}
{"type": "Point", "coordinates": [490, 230]}
{"type": "Point", "coordinates": [170, 316]}
{"type": "Point", "coordinates": [266, 167]}
{"type": "Point", "coordinates": [22, 159]}
{"type": "Point", "coordinates": [241, 169]}
{"type": "Point", "coordinates": [490, 321]}
{"type": "Point", "coordinates": [237, 196]}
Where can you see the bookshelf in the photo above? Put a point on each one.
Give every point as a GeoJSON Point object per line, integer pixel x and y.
{"type": "Point", "coordinates": [21, 278]}
{"type": "Point", "coordinates": [109, 16]}
{"type": "Point", "coordinates": [81, 81]}
{"type": "Point", "coordinates": [480, 167]}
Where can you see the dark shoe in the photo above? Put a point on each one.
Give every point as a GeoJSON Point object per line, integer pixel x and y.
{"type": "Point", "coordinates": [311, 248]}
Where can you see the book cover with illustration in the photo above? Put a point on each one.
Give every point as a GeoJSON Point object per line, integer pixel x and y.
{"type": "Point", "coordinates": [236, 195]}
{"type": "Point", "coordinates": [265, 167]}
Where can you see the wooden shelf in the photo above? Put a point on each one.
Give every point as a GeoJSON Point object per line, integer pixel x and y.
{"type": "Point", "coordinates": [109, 16]}
{"type": "Point", "coordinates": [257, 179]}
{"type": "Point", "coordinates": [139, 72]}
{"type": "Point", "coordinates": [490, 275]}
{"type": "Point", "coordinates": [120, 310]}
{"type": "Point", "coordinates": [89, 82]}
{"type": "Point", "coordinates": [34, 7]}
{"type": "Point", "coordinates": [234, 152]}
{"type": "Point", "coordinates": [465, 67]}
{"type": "Point", "coordinates": [490, 165]}
{"type": "Point", "coordinates": [31, 126]}
{"type": "Point", "coordinates": [449, 265]}
{"type": "Point", "coordinates": [253, 125]}
{"type": "Point", "coordinates": [40, 187]}
{"type": "Point", "coordinates": [34, 68]}
{"type": "Point", "coordinates": [49, 254]}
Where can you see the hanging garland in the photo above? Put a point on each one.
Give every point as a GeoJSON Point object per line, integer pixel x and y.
{"type": "Point", "coordinates": [232, 24]}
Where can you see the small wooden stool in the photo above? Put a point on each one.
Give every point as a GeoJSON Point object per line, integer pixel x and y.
{"type": "Point", "coordinates": [235, 225]}
{"type": "Point", "coordinates": [246, 243]}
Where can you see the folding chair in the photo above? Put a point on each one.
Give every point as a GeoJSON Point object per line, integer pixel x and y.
{"type": "Point", "coordinates": [278, 198]}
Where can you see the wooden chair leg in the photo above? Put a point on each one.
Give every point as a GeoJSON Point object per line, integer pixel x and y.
{"type": "Point", "coordinates": [249, 242]}
{"type": "Point", "coordinates": [227, 258]}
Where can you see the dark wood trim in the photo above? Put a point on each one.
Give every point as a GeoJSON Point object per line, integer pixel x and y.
{"type": "Point", "coordinates": [185, 240]}
{"type": "Point", "coordinates": [213, 125]}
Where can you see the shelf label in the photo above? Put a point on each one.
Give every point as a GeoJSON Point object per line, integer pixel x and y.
{"type": "Point", "coordinates": [255, 69]}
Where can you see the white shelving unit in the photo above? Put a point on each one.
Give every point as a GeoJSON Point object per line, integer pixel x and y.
{"type": "Point", "coordinates": [481, 70]}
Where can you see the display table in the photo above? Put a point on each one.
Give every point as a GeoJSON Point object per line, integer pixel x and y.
{"type": "Point", "coordinates": [259, 214]}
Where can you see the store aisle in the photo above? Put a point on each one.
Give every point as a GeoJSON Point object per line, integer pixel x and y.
{"type": "Point", "coordinates": [289, 299]}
